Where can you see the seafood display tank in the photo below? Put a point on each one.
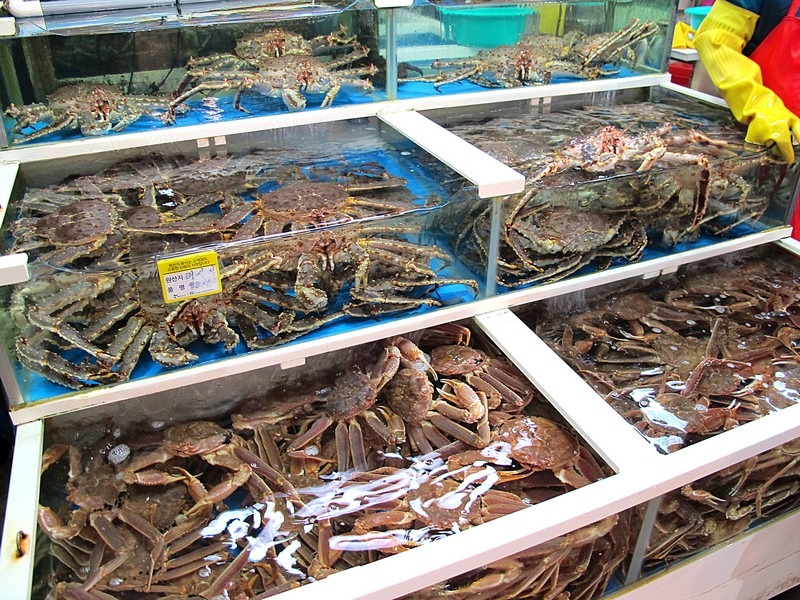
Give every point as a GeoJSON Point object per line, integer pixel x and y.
{"type": "Point", "coordinates": [412, 299]}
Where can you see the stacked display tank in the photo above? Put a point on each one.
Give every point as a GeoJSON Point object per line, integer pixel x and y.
{"type": "Point", "coordinates": [258, 265]}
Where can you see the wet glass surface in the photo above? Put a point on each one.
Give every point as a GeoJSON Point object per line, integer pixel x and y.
{"type": "Point", "coordinates": [314, 231]}
{"type": "Point", "coordinates": [612, 184]}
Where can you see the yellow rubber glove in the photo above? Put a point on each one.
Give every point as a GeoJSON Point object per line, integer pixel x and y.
{"type": "Point", "coordinates": [683, 36]}
{"type": "Point", "coordinates": [719, 41]}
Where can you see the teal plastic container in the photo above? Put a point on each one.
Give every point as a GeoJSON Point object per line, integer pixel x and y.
{"type": "Point", "coordinates": [696, 15]}
{"type": "Point", "coordinates": [486, 27]}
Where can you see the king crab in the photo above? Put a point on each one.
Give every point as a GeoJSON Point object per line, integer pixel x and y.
{"type": "Point", "coordinates": [93, 109]}
{"type": "Point", "coordinates": [288, 77]}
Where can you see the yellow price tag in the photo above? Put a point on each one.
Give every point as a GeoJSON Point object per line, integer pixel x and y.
{"type": "Point", "coordinates": [190, 276]}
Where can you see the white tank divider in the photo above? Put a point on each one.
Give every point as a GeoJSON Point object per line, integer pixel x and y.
{"type": "Point", "coordinates": [697, 95]}
{"type": "Point", "coordinates": [790, 245]}
{"type": "Point", "coordinates": [13, 267]}
{"type": "Point", "coordinates": [19, 529]}
{"type": "Point", "coordinates": [615, 440]}
{"type": "Point", "coordinates": [492, 177]}
{"type": "Point", "coordinates": [8, 176]}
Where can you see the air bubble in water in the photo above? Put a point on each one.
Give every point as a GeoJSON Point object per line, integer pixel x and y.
{"type": "Point", "coordinates": [119, 453]}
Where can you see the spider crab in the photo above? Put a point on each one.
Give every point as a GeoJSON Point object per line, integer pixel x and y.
{"type": "Point", "coordinates": [93, 109]}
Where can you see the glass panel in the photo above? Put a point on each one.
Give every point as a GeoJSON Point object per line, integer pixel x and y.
{"type": "Point", "coordinates": [318, 230]}
{"type": "Point", "coordinates": [453, 48]}
{"type": "Point", "coordinates": [105, 83]}
{"type": "Point", "coordinates": [281, 477]}
{"type": "Point", "coordinates": [688, 355]}
{"type": "Point", "coordinates": [716, 508]}
{"type": "Point", "coordinates": [613, 182]}
{"type": "Point", "coordinates": [581, 564]}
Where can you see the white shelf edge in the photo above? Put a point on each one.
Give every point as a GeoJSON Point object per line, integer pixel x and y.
{"type": "Point", "coordinates": [615, 440]}
{"type": "Point", "coordinates": [21, 512]}
{"type": "Point", "coordinates": [757, 564]}
{"type": "Point", "coordinates": [492, 177]}
{"type": "Point", "coordinates": [697, 95]}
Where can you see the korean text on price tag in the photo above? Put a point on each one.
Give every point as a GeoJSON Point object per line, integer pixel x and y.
{"type": "Point", "coordinates": [190, 276]}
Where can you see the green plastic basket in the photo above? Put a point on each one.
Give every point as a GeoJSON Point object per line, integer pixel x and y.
{"type": "Point", "coordinates": [486, 27]}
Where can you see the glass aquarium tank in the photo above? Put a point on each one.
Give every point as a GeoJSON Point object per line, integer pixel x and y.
{"type": "Point", "coordinates": [612, 179]}
{"type": "Point", "coordinates": [284, 477]}
{"type": "Point", "coordinates": [143, 262]}
{"type": "Point", "coordinates": [452, 48]}
{"type": "Point", "coordinates": [103, 75]}
{"type": "Point", "coordinates": [688, 355]}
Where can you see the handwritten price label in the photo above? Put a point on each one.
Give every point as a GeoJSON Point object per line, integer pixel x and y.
{"type": "Point", "coordinates": [189, 276]}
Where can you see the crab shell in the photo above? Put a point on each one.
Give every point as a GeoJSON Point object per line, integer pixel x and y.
{"type": "Point", "coordinates": [538, 443]}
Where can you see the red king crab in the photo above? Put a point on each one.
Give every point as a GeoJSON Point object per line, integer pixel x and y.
{"type": "Point", "coordinates": [609, 148]}
{"type": "Point", "coordinates": [274, 42]}
{"type": "Point", "coordinates": [311, 204]}
{"type": "Point", "coordinates": [288, 77]}
{"type": "Point", "coordinates": [94, 109]}
{"type": "Point", "coordinates": [535, 59]}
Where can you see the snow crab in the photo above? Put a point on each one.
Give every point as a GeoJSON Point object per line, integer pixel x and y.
{"type": "Point", "coordinates": [93, 109]}
{"type": "Point", "coordinates": [353, 395]}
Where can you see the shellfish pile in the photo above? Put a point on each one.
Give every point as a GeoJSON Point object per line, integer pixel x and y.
{"type": "Point", "coordinates": [306, 481]}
